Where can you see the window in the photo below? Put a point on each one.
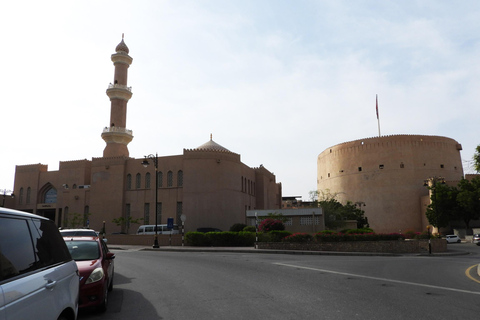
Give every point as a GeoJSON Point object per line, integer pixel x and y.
{"type": "Point", "coordinates": [169, 178]}
{"type": "Point", "coordinates": [146, 213]}
{"type": "Point", "coordinates": [50, 196]}
{"type": "Point", "coordinates": [359, 169]}
{"type": "Point", "coordinates": [179, 211]}
{"type": "Point", "coordinates": [308, 221]}
{"type": "Point", "coordinates": [15, 238]}
{"type": "Point", "coordinates": [442, 166]}
{"type": "Point", "coordinates": [147, 180]}
{"type": "Point", "coordinates": [381, 166]}
{"type": "Point", "coordinates": [180, 178]}
{"type": "Point", "coordinates": [159, 179]}
{"type": "Point", "coordinates": [159, 212]}
{"type": "Point", "coordinates": [402, 165]}
{"type": "Point", "coordinates": [20, 197]}
{"type": "Point", "coordinates": [129, 181]}
{"type": "Point", "coordinates": [29, 192]}
{"type": "Point", "coordinates": [138, 181]}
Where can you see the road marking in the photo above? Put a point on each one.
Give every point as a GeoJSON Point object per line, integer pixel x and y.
{"type": "Point", "coordinates": [379, 279]}
{"type": "Point", "coordinates": [467, 273]}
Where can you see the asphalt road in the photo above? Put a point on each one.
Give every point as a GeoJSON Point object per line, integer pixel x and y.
{"type": "Point", "coordinates": [213, 285]}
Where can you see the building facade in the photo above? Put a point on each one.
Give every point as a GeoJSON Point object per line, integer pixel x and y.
{"type": "Point", "coordinates": [386, 176]}
{"type": "Point", "coordinates": [208, 185]}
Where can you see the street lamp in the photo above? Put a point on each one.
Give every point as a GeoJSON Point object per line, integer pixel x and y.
{"type": "Point", "coordinates": [145, 163]}
{"type": "Point", "coordinates": [432, 184]}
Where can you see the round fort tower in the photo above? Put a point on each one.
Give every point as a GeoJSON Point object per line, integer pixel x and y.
{"type": "Point", "coordinates": [385, 176]}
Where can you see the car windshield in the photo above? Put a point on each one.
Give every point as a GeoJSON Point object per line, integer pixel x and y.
{"type": "Point", "coordinates": [78, 233]}
{"type": "Point", "coordinates": [83, 250]}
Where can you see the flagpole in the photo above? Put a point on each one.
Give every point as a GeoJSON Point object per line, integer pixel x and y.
{"type": "Point", "coordinates": [378, 118]}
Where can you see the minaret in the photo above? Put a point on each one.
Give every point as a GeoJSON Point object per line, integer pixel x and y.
{"type": "Point", "coordinates": [116, 135]}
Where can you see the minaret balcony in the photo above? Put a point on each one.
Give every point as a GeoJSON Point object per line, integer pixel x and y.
{"type": "Point", "coordinates": [119, 91]}
{"type": "Point", "coordinates": [117, 135]}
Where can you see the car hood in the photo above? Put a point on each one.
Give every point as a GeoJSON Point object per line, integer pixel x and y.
{"type": "Point", "coordinates": [86, 267]}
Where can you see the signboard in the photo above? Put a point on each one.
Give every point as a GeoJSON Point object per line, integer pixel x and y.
{"type": "Point", "coordinates": [170, 223]}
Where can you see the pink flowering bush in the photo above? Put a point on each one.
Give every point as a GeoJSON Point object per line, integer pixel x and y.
{"type": "Point", "coordinates": [298, 237]}
{"type": "Point", "coordinates": [270, 224]}
{"type": "Point", "coordinates": [337, 237]}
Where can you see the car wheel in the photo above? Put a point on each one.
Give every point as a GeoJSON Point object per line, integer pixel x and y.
{"type": "Point", "coordinates": [103, 306]}
{"type": "Point", "coordinates": [478, 243]}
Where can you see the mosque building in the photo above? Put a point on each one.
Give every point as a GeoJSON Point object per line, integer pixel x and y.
{"type": "Point", "coordinates": [208, 186]}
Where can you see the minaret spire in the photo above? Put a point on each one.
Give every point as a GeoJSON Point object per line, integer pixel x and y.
{"type": "Point", "coordinates": [116, 135]}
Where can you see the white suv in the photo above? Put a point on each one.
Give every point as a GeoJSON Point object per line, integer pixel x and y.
{"type": "Point", "coordinates": [38, 278]}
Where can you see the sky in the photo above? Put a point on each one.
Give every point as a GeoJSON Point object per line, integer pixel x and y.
{"type": "Point", "coordinates": [275, 81]}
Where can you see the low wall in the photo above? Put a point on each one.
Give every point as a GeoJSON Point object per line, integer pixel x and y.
{"type": "Point", "coordinates": [143, 240]}
{"type": "Point", "coordinates": [396, 246]}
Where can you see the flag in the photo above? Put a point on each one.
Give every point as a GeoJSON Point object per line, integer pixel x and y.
{"type": "Point", "coordinates": [376, 96]}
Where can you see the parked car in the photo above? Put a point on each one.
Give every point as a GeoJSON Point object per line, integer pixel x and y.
{"type": "Point", "coordinates": [453, 238]}
{"type": "Point", "coordinates": [162, 229]}
{"type": "Point", "coordinates": [80, 233]}
{"type": "Point", "coordinates": [38, 278]}
{"type": "Point", "coordinates": [95, 264]}
{"type": "Point", "coordinates": [476, 239]}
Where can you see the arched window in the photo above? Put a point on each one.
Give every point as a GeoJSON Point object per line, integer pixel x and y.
{"type": "Point", "coordinates": [50, 196]}
{"type": "Point", "coordinates": [138, 181]}
{"type": "Point", "coordinates": [180, 178]}
{"type": "Point", "coordinates": [169, 179]}
{"type": "Point", "coordinates": [129, 181]}
{"type": "Point", "coordinates": [147, 180]}
{"type": "Point", "coordinates": [29, 191]}
{"type": "Point", "coordinates": [159, 179]}
{"type": "Point", "coordinates": [20, 197]}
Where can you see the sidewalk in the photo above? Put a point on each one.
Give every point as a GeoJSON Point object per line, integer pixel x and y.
{"type": "Point", "coordinates": [272, 251]}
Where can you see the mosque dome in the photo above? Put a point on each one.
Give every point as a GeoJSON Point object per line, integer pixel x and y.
{"type": "Point", "coordinates": [212, 146]}
{"type": "Point", "coordinates": [122, 47]}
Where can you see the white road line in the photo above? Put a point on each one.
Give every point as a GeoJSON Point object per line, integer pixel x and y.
{"type": "Point", "coordinates": [376, 278]}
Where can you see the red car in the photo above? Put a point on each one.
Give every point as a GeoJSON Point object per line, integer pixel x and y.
{"type": "Point", "coordinates": [95, 265]}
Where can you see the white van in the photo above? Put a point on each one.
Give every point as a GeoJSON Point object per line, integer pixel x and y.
{"type": "Point", "coordinates": [162, 229]}
{"type": "Point", "coordinates": [38, 278]}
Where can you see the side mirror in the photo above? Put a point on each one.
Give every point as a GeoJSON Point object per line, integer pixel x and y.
{"type": "Point", "coordinates": [110, 256]}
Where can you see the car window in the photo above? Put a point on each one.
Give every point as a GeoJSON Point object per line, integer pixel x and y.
{"type": "Point", "coordinates": [79, 233]}
{"type": "Point", "coordinates": [48, 243]}
{"type": "Point", "coordinates": [83, 250]}
{"type": "Point", "coordinates": [17, 255]}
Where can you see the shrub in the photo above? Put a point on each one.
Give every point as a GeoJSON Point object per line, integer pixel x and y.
{"type": "Point", "coordinates": [358, 231]}
{"type": "Point", "coordinates": [197, 239]}
{"type": "Point", "coordinates": [237, 227]}
{"type": "Point", "coordinates": [298, 237]}
{"type": "Point", "coordinates": [321, 237]}
{"type": "Point", "coordinates": [271, 225]}
{"type": "Point", "coordinates": [274, 236]}
{"type": "Point", "coordinates": [328, 232]}
{"type": "Point", "coordinates": [249, 229]}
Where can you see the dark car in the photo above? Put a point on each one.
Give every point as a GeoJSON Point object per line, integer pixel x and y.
{"type": "Point", "coordinates": [96, 268]}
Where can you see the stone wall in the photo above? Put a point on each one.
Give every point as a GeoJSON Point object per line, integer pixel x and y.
{"type": "Point", "coordinates": [398, 246]}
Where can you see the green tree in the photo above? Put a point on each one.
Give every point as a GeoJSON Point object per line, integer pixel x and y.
{"type": "Point", "coordinates": [351, 212]}
{"type": "Point", "coordinates": [476, 159]}
{"type": "Point", "coordinates": [126, 222]}
{"type": "Point", "coordinates": [468, 200]}
{"type": "Point", "coordinates": [443, 205]}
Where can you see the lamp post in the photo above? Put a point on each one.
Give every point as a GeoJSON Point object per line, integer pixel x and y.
{"type": "Point", "coordinates": [432, 184]}
{"type": "Point", "coordinates": [145, 163]}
